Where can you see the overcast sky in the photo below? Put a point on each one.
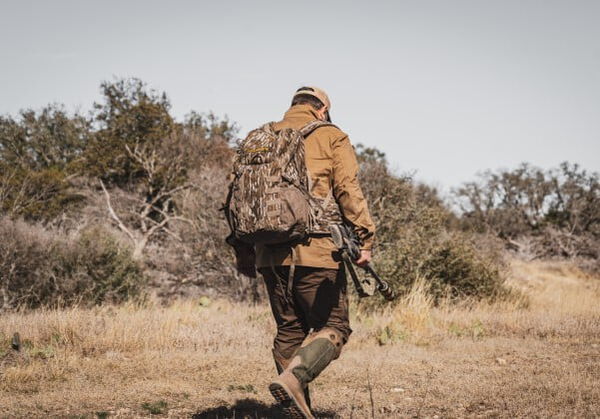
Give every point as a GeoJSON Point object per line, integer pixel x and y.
{"type": "Point", "coordinates": [444, 88]}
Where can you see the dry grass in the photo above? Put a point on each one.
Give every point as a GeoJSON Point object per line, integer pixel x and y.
{"type": "Point", "coordinates": [539, 357]}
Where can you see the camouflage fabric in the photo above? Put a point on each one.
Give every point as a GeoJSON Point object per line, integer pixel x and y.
{"type": "Point", "coordinates": [269, 200]}
{"type": "Point", "coordinates": [328, 212]}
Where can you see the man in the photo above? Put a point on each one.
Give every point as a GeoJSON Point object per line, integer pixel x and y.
{"type": "Point", "coordinates": [312, 317]}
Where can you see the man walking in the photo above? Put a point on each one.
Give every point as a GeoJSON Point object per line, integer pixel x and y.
{"type": "Point", "coordinates": [306, 281]}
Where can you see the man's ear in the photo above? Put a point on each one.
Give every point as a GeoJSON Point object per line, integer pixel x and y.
{"type": "Point", "coordinates": [323, 113]}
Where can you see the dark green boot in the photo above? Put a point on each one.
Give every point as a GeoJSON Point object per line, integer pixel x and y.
{"type": "Point", "coordinates": [281, 364]}
{"type": "Point", "coordinates": [317, 351]}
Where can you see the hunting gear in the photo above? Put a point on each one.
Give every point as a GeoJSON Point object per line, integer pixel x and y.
{"type": "Point", "coordinates": [349, 246]}
{"type": "Point", "coordinates": [292, 181]}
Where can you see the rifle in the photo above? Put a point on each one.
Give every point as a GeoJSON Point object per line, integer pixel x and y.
{"type": "Point", "coordinates": [348, 244]}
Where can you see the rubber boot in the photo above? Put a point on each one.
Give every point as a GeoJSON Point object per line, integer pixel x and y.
{"type": "Point", "coordinates": [317, 351]}
{"type": "Point", "coordinates": [281, 364]}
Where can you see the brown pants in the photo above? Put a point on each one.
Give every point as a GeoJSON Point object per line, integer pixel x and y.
{"type": "Point", "coordinates": [318, 299]}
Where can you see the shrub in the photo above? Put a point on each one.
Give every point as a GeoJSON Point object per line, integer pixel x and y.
{"type": "Point", "coordinates": [40, 267]}
{"type": "Point", "coordinates": [456, 269]}
{"type": "Point", "coordinates": [413, 240]}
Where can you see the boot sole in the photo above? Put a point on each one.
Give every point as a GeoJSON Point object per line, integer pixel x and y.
{"type": "Point", "coordinates": [288, 403]}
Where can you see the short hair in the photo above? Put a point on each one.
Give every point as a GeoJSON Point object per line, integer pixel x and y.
{"type": "Point", "coordinates": [306, 99]}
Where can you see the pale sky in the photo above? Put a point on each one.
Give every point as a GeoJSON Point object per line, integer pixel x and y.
{"type": "Point", "coordinates": [444, 88]}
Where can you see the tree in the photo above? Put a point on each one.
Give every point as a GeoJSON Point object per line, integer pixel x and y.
{"type": "Point", "coordinates": [559, 207]}
{"type": "Point", "coordinates": [38, 155]}
{"type": "Point", "coordinates": [140, 148]}
{"type": "Point", "coordinates": [131, 116]}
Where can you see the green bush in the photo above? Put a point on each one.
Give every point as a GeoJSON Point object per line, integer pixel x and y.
{"type": "Point", "coordinates": [456, 269]}
{"type": "Point", "coordinates": [414, 240]}
{"type": "Point", "coordinates": [40, 267]}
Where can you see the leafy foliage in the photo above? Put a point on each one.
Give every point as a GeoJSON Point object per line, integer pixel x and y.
{"type": "Point", "coordinates": [42, 140]}
{"type": "Point", "coordinates": [38, 152]}
{"type": "Point", "coordinates": [131, 116]}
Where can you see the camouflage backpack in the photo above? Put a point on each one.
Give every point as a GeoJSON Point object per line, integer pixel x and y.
{"type": "Point", "coordinates": [269, 200]}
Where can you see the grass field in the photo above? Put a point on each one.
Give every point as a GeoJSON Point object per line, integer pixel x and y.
{"type": "Point", "coordinates": [537, 357]}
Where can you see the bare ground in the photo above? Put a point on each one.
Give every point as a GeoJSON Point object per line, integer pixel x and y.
{"type": "Point", "coordinates": [209, 360]}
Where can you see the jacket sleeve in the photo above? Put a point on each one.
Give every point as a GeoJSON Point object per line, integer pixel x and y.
{"type": "Point", "coordinates": [348, 193]}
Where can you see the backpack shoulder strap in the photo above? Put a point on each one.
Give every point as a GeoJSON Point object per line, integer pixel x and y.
{"type": "Point", "coordinates": [313, 125]}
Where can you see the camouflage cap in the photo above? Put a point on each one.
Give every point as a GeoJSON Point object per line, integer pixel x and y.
{"type": "Point", "coordinates": [316, 92]}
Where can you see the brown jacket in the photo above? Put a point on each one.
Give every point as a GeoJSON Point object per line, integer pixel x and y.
{"type": "Point", "coordinates": [331, 163]}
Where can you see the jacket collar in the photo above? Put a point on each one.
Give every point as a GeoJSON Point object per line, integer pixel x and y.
{"type": "Point", "coordinates": [300, 114]}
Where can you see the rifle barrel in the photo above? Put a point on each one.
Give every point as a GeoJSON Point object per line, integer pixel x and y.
{"type": "Point", "coordinates": [383, 287]}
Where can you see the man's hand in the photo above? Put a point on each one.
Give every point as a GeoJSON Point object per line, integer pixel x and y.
{"type": "Point", "coordinates": [364, 259]}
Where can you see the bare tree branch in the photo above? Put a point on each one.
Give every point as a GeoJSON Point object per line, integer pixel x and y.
{"type": "Point", "coordinates": [114, 216]}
